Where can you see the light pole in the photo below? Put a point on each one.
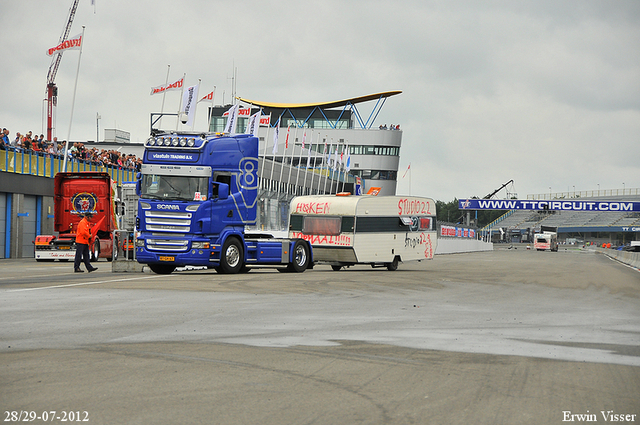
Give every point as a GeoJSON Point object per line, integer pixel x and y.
{"type": "Point", "coordinates": [623, 188]}
{"type": "Point", "coordinates": [549, 192]}
{"type": "Point", "coordinates": [574, 190]}
{"type": "Point", "coordinates": [97, 127]}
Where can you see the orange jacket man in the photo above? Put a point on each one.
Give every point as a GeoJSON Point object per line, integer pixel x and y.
{"type": "Point", "coordinates": [83, 237]}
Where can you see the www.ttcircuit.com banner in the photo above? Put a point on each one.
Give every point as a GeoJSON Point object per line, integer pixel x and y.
{"type": "Point", "coordinates": [555, 205]}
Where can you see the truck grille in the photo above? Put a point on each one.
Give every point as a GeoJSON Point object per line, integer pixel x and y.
{"type": "Point", "coordinates": [175, 245]}
{"type": "Point", "coordinates": [168, 221]}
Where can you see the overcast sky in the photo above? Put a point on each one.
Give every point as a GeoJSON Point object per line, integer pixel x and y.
{"type": "Point", "coordinates": [546, 93]}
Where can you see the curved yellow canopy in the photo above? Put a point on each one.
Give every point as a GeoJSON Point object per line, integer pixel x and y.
{"type": "Point", "coordinates": [334, 104]}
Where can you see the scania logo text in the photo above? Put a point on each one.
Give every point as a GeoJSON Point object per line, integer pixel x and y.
{"type": "Point", "coordinates": [168, 207]}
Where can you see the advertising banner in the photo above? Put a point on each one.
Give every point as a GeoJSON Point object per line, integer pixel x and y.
{"type": "Point", "coordinates": [554, 205]}
{"type": "Point", "coordinates": [457, 232]}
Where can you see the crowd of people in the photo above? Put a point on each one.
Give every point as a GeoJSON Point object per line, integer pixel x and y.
{"type": "Point", "coordinates": [31, 143]}
{"type": "Point", "coordinates": [391, 127]}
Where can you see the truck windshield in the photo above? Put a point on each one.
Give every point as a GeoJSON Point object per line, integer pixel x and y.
{"type": "Point", "coordinates": [179, 188]}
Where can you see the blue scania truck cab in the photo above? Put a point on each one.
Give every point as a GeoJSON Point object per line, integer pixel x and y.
{"type": "Point", "coordinates": [198, 192]}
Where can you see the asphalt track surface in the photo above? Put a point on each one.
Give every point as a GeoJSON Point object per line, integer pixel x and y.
{"type": "Point", "coordinates": [502, 337]}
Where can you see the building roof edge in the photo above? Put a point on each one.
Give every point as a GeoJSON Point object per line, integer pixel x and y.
{"type": "Point", "coordinates": [333, 104]}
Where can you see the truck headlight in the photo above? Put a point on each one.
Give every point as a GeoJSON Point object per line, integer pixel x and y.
{"type": "Point", "coordinates": [140, 243]}
{"type": "Point", "coordinates": [200, 245]}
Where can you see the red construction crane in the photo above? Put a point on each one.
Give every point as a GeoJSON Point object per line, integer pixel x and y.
{"type": "Point", "coordinates": [52, 90]}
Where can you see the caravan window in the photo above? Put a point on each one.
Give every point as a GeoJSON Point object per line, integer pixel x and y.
{"type": "Point", "coordinates": [317, 225]}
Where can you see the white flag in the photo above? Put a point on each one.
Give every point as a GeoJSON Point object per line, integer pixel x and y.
{"type": "Point", "coordinates": [210, 96]}
{"type": "Point", "coordinates": [309, 151]}
{"type": "Point", "coordinates": [253, 124]}
{"type": "Point", "coordinates": [276, 135]}
{"type": "Point", "coordinates": [73, 43]}
{"type": "Point", "coordinates": [189, 103]}
{"type": "Point", "coordinates": [335, 161]}
{"type": "Point", "coordinates": [348, 162]}
{"type": "Point", "coordinates": [177, 85]}
{"type": "Point", "coordinates": [232, 120]}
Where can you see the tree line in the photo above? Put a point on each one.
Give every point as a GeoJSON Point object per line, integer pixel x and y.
{"type": "Point", "coordinates": [449, 212]}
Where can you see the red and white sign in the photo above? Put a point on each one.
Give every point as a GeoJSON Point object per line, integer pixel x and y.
{"type": "Point", "coordinates": [265, 120]}
{"type": "Point", "coordinates": [208, 97]}
{"type": "Point", "coordinates": [166, 87]}
{"type": "Point", "coordinates": [242, 112]}
{"type": "Point", "coordinates": [73, 43]}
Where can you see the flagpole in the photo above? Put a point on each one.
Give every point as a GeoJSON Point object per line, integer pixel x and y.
{"type": "Point", "coordinates": [313, 172]}
{"type": "Point", "coordinates": [276, 132]}
{"type": "Point", "coordinates": [306, 169]}
{"type": "Point", "coordinates": [324, 189]}
{"type": "Point", "coordinates": [315, 163]}
{"type": "Point", "coordinates": [195, 107]}
{"type": "Point", "coordinates": [164, 93]}
{"type": "Point", "coordinates": [73, 101]}
{"type": "Point", "coordinates": [304, 140]}
{"type": "Point", "coordinates": [284, 155]}
{"type": "Point", "coordinates": [333, 169]}
{"type": "Point", "coordinates": [410, 179]}
{"type": "Point", "coordinates": [344, 167]}
{"type": "Point", "coordinates": [180, 101]}
{"type": "Point", "coordinates": [266, 142]}
{"type": "Point", "coordinates": [213, 95]}
{"type": "Point", "coordinates": [293, 151]}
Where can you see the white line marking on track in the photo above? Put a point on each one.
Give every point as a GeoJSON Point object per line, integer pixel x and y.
{"type": "Point", "coordinates": [80, 284]}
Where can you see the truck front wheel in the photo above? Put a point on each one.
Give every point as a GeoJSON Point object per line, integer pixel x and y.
{"type": "Point", "coordinates": [96, 250]}
{"type": "Point", "coordinates": [162, 268]}
{"type": "Point", "coordinates": [231, 260]}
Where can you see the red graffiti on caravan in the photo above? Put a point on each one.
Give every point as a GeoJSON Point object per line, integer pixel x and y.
{"type": "Point", "coordinates": [313, 208]}
{"type": "Point", "coordinates": [413, 206]}
{"type": "Point", "coordinates": [338, 240]}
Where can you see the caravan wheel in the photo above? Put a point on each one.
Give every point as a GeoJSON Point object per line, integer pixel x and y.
{"type": "Point", "coordinates": [393, 266]}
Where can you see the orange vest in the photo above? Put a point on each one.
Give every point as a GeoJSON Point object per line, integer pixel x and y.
{"type": "Point", "coordinates": [84, 232]}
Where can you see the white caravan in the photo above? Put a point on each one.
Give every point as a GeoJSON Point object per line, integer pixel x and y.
{"type": "Point", "coordinates": [377, 230]}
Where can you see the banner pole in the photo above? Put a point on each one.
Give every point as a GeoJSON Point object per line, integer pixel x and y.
{"type": "Point", "coordinates": [73, 101]}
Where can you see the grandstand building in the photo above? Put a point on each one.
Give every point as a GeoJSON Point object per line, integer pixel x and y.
{"type": "Point", "coordinates": [315, 142]}
{"type": "Point", "coordinates": [615, 227]}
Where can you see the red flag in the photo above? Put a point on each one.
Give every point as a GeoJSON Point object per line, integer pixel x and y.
{"type": "Point", "coordinates": [98, 224]}
{"type": "Point", "coordinates": [405, 173]}
{"type": "Point", "coordinates": [96, 227]}
{"type": "Point", "coordinates": [286, 142]}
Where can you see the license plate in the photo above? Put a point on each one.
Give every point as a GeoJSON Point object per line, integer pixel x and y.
{"type": "Point", "coordinates": [64, 247]}
{"type": "Point", "coordinates": [166, 258]}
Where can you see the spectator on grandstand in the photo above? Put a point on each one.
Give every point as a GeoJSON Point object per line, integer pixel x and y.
{"type": "Point", "coordinates": [4, 139]}
{"type": "Point", "coordinates": [17, 142]}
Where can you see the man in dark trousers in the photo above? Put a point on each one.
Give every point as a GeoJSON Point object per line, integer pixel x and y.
{"type": "Point", "coordinates": [83, 237]}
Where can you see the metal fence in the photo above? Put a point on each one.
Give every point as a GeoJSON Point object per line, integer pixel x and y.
{"type": "Point", "coordinates": [47, 165]}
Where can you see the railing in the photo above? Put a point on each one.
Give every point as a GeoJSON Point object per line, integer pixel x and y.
{"type": "Point", "coordinates": [47, 165]}
{"type": "Point", "coordinates": [497, 220]}
{"type": "Point", "coordinates": [586, 194]}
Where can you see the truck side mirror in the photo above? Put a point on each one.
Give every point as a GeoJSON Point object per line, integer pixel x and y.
{"type": "Point", "coordinates": [138, 183]}
{"type": "Point", "coordinates": [222, 190]}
